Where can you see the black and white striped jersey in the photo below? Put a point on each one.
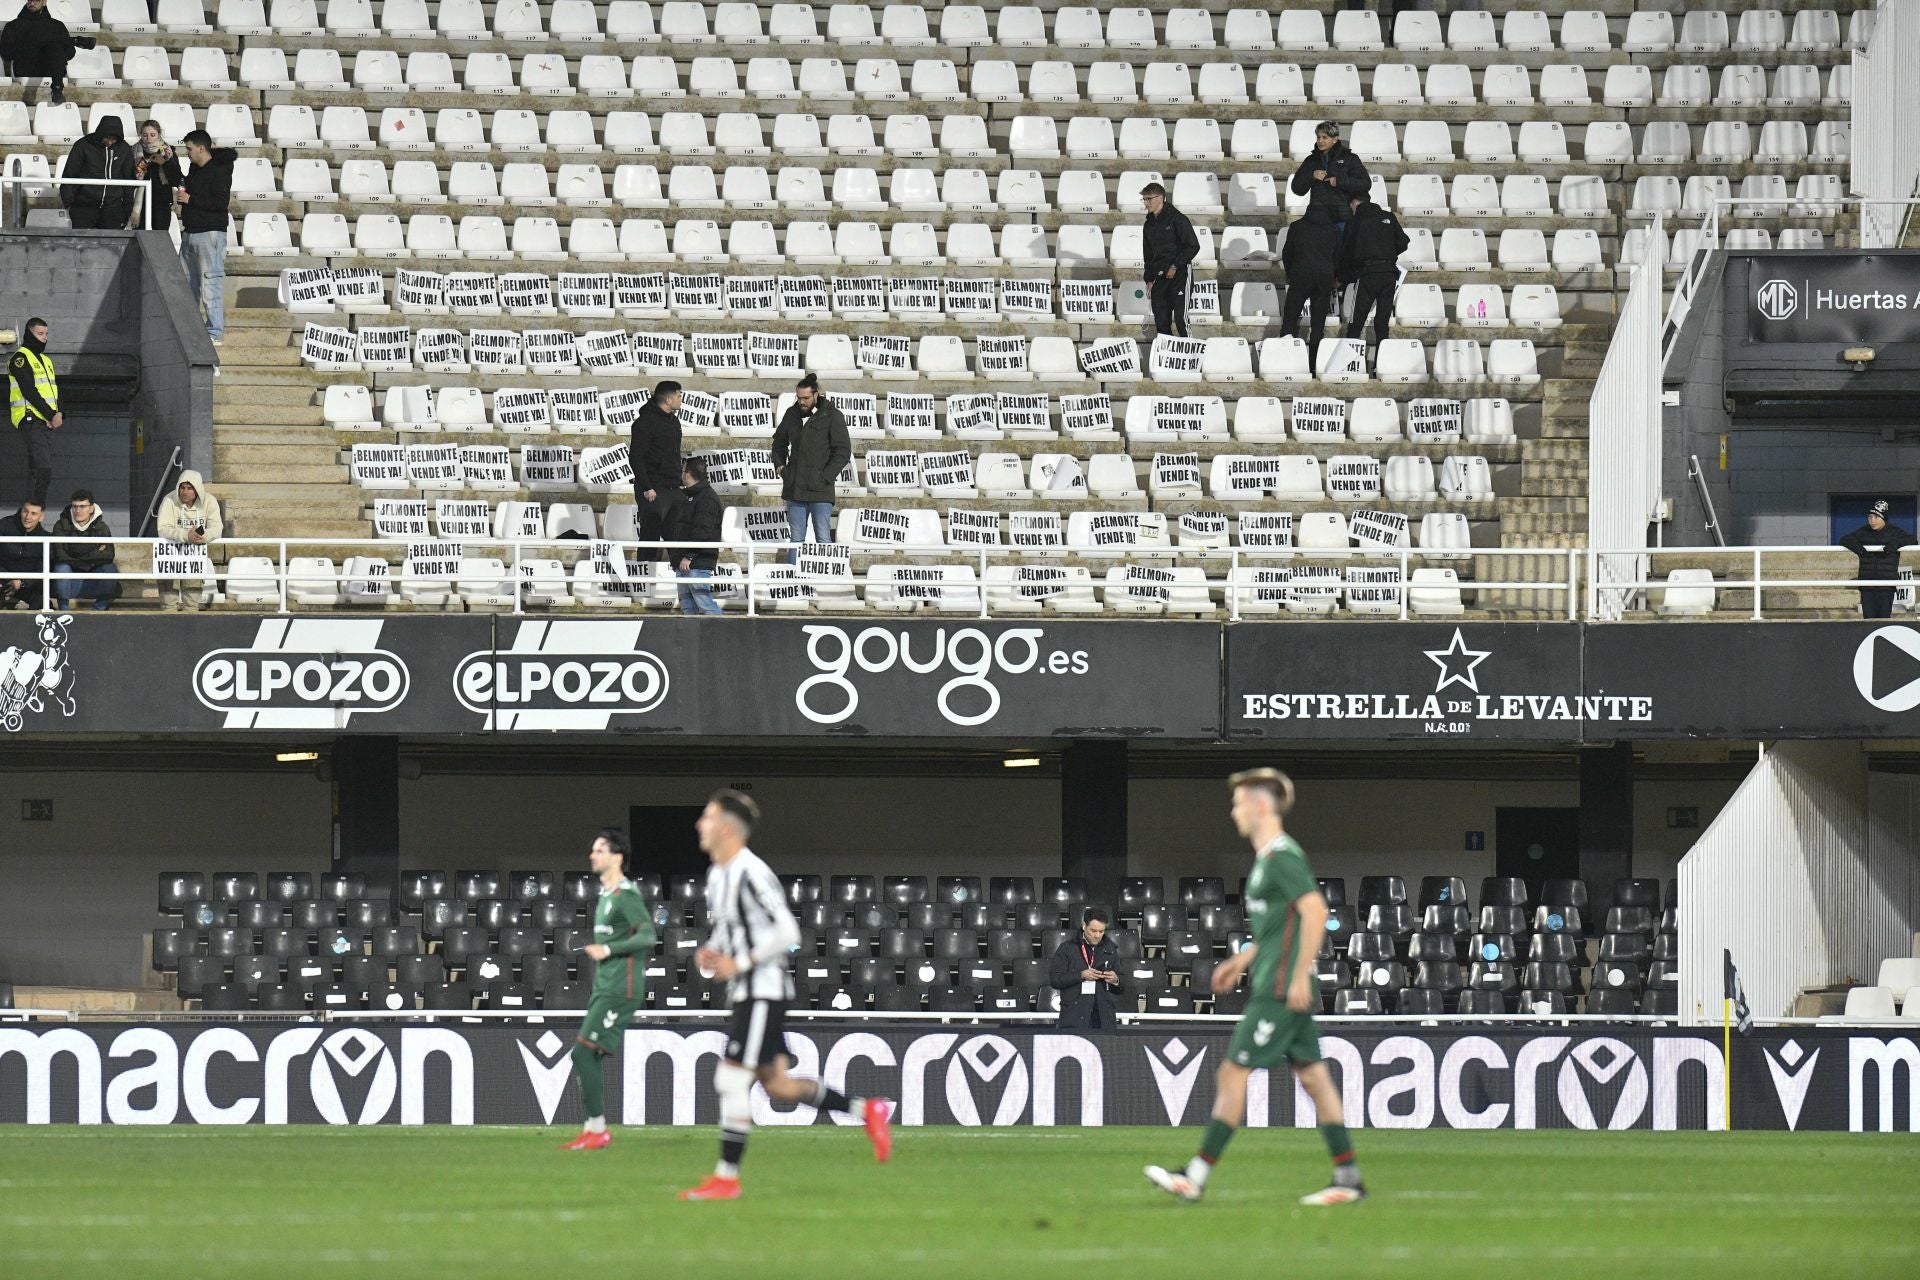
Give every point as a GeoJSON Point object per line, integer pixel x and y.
{"type": "Point", "coordinates": [747, 908]}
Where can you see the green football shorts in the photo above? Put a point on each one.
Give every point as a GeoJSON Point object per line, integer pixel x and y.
{"type": "Point", "coordinates": [1271, 1035]}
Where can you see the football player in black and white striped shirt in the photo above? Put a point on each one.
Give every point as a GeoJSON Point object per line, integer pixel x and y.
{"type": "Point", "coordinates": [754, 933]}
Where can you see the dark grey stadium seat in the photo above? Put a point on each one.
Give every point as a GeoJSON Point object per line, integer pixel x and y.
{"type": "Point", "coordinates": [363, 971]}
{"type": "Point", "coordinates": [1666, 947]}
{"type": "Point", "coordinates": [1187, 944]}
{"type": "Point", "coordinates": [288, 886]}
{"type": "Point", "coordinates": [1564, 893]}
{"type": "Point", "coordinates": [1035, 916]}
{"type": "Point", "coordinates": [280, 997]}
{"type": "Point", "coordinates": [1350, 1004]}
{"type": "Point", "coordinates": [982, 916]}
{"type": "Point", "coordinates": [440, 914]}
{"type": "Point", "coordinates": [1012, 890]}
{"type": "Point", "coordinates": [959, 890]}
{"type": "Point", "coordinates": [366, 913]}
{"type": "Point", "coordinates": [1170, 1000]}
{"type": "Point", "coordinates": [894, 998]}
{"type": "Point", "coordinates": [532, 886]}
{"type": "Point", "coordinates": [979, 974]}
{"type": "Point", "coordinates": [336, 943]}
{"type": "Point", "coordinates": [1454, 920]}
{"type": "Point", "coordinates": [674, 996]}
{"type": "Point", "coordinates": [392, 997]}
{"type": "Point", "coordinates": [475, 886]}
{"type": "Point", "coordinates": [235, 886]}
{"type": "Point", "coordinates": [1550, 948]}
{"type": "Point", "coordinates": [1483, 1004]}
{"type": "Point", "coordinates": [1643, 893]}
{"type": "Point", "coordinates": [1006, 1000]}
{"type": "Point", "coordinates": [1547, 976]}
{"type": "Point", "coordinates": [852, 890]}
{"type": "Point", "coordinates": [261, 914]}
{"type": "Point", "coordinates": [1612, 1002]}
{"type": "Point", "coordinates": [677, 942]}
{"type": "Point", "coordinates": [1553, 1002]}
{"type": "Point", "coordinates": [1050, 939]}
{"type": "Point", "coordinates": [394, 940]}
{"type": "Point", "coordinates": [520, 940]}
{"type": "Point", "coordinates": [1438, 975]}
{"type": "Point", "coordinates": [1418, 1002]}
{"type": "Point", "coordinates": [1626, 948]}
{"type": "Point", "coordinates": [228, 943]}
{"type": "Point", "coordinates": [339, 996]}
{"type": "Point", "coordinates": [1202, 891]}
{"type": "Point", "coordinates": [802, 889]}
{"type": "Point", "coordinates": [1493, 975]}
{"type": "Point", "coordinates": [868, 971]}
{"type": "Point", "coordinates": [928, 916]}
{"type": "Point", "coordinates": [550, 914]}
{"type": "Point", "coordinates": [1442, 891]}
{"type": "Point", "coordinates": [1157, 920]}
{"type": "Point", "coordinates": [902, 944]}
{"type": "Point", "coordinates": [1342, 922]}
{"type": "Point", "coordinates": [951, 1000]}
{"type": "Point", "coordinates": [1547, 919]}
{"type": "Point", "coordinates": [416, 887]}
{"type": "Point", "coordinates": [1141, 891]}
{"type": "Point", "coordinates": [1234, 1001]}
{"type": "Point", "coordinates": [250, 971]}
{"type": "Point", "coordinates": [1661, 1002]}
{"type": "Point", "coordinates": [1047, 1000]}
{"type": "Point", "coordinates": [821, 916]}
{"type": "Point", "coordinates": [903, 891]}
{"type": "Point", "coordinates": [565, 995]}
{"type": "Point", "coordinates": [1370, 946]}
{"type": "Point", "coordinates": [1334, 975]}
{"type": "Point", "coordinates": [225, 998]}
{"type": "Point", "coordinates": [313, 914]}
{"type": "Point", "coordinates": [1616, 974]}
{"type": "Point", "coordinates": [446, 995]}
{"type": "Point", "coordinates": [1333, 889]}
{"type": "Point", "coordinates": [197, 973]}
{"type": "Point", "coordinates": [1028, 975]}
{"type": "Point", "coordinates": [1009, 944]}
{"type": "Point", "coordinates": [582, 889]}
{"type": "Point", "coordinates": [1496, 918]}
{"type": "Point", "coordinates": [815, 969]}
{"type": "Point", "coordinates": [875, 916]}
{"type": "Point", "coordinates": [1064, 890]}
{"type": "Point", "coordinates": [309, 972]}
{"type": "Point", "coordinates": [1218, 920]}
{"type": "Point", "coordinates": [846, 942]}
{"type": "Point", "coordinates": [178, 888]}
{"type": "Point", "coordinates": [1629, 920]}
{"type": "Point", "coordinates": [1384, 976]}
{"type": "Point", "coordinates": [343, 886]}
{"type": "Point", "coordinates": [203, 914]}
{"type": "Point", "coordinates": [419, 972]}
{"type": "Point", "coordinates": [1502, 945]}
{"type": "Point", "coordinates": [1144, 975]}
{"type": "Point", "coordinates": [508, 995]}
{"type": "Point", "coordinates": [809, 944]}
{"type": "Point", "coordinates": [1503, 891]}
{"type": "Point", "coordinates": [1127, 944]}
{"type": "Point", "coordinates": [1378, 891]}
{"type": "Point", "coordinates": [955, 944]}
{"type": "Point", "coordinates": [1396, 918]}
{"type": "Point", "coordinates": [493, 914]}
{"type": "Point", "coordinates": [169, 945]}
{"type": "Point", "coordinates": [461, 942]}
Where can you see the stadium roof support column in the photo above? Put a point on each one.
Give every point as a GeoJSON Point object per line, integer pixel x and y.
{"type": "Point", "coordinates": [1093, 816]}
{"type": "Point", "coordinates": [1606, 818]}
{"type": "Point", "coordinates": [366, 807]}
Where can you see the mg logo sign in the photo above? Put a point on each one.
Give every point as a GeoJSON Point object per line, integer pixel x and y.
{"type": "Point", "coordinates": [1778, 300]}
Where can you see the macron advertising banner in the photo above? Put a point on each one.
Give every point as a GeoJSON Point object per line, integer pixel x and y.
{"type": "Point", "coordinates": [466, 674]}
{"type": "Point", "coordinates": [1468, 1076]}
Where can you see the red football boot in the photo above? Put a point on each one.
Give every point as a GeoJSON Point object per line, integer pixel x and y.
{"type": "Point", "coordinates": [714, 1188]}
{"type": "Point", "coordinates": [878, 1129]}
{"type": "Point", "coordinates": [589, 1142]}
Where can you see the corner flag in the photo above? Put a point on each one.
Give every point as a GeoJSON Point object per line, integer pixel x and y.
{"type": "Point", "coordinates": [1737, 996]}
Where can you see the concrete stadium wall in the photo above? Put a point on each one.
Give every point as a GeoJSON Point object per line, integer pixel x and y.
{"type": "Point", "coordinates": [77, 894]}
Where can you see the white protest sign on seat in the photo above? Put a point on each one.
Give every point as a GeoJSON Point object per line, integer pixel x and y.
{"type": "Point", "coordinates": [733, 470]}
{"type": "Point", "coordinates": [694, 295]}
{"type": "Point", "coordinates": [910, 415]}
{"type": "Point", "coordinates": [774, 354]}
{"type": "Point", "coordinates": [972, 415]}
{"type": "Point", "coordinates": [914, 297]}
{"type": "Point", "coordinates": [1203, 302]}
{"type": "Point", "coordinates": [1026, 298]}
{"type": "Point", "coordinates": [1001, 356]}
{"type": "Point", "coordinates": [947, 474]}
{"type": "Point", "coordinates": [1314, 586]}
{"type": "Point", "coordinates": [325, 346]}
{"type": "Point", "coordinates": [611, 565]}
{"type": "Point", "coordinates": [1035, 530]}
{"type": "Point", "coordinates": [359, 289]}
{"type": "Point", "coordinates": [400, 518]}
{"type": "Point", "coordinates": [1319, 418]}
{"type": "Point", "coordinates": [824, 559]}
{"type": "Point", "coordinates": [618, 408]}
{"type": "Point", "coordinates": [606, 469]}
{"type": "Point", "coordinates": [1353, 478]}
{"type": "Point", "coordinates": [640, 296]}
{"type": "Point", "coordinates": [432, 561]}
{"type": "Point", "coordinates": [1434, 421]}
{"type": "Point", "coordinates": [880, 526]}
{"type": "Point", "coordinates": [1373, 590]}
{"type": "Point", "coordinates": [1113, 358]}
{"type": "Point", "coordinates": [607, 351]}
{"type": "Point", "coordinates": [576, 410]}
{"type": "Point", "coordinates": [586, 293]}
{"type": "Point", "coordinates": [699, 411]}
{"type": "Point", "coordinates": [747, 413]}
{"type": "Point", "coordinates": [1087, 301]}
{"type": "Point", "coordinates": [860, 296]}
{"type": "Point", "coordinates": [1175, 359]}
{"type": "Point", "coordinates": [749, 296]}
{"type": "Point", "coordinates": [720, 354]}
{"type": "Point", "coordinates": [1175, 473]}
{"type": "Point", "coordinates": [378, 466]}
{"type": "Point", "coordinates": [764, 524]}
{"type": "Point", "coordinates": [970, 297]}
{"type": "Point", "coordinates": [1378, 530]}
{"type": "Point", "coordinates": [486, 466]}
{"type": "Point", "coordinates": [1347, 357]}
{"type": "Point", "coordinates": [525, 522]}
{"type": "Point", "coordinates": [522, 409]}
{"type": "Point", "coordinates": [883, 353]}
{"type": "Point", "coordinates": [973, 528]}
{"type": "Point", "coordinates": [1243, 476]}
{"type": "Point", "coordinates": [1144, 583]}
{"type": "Point", "coordinates": [420, 290]}
{"type": "Point", "coordinates": [1266, 530]}
{"type": "Point", "coordinates": [893, 471]}
{"type": "Point", "coordinates": [547, 467]}
{"type": "Point", "coordinates": [462, 520]}
{"type": "Point", "coordinates": [1024, 414]}
{"type": "Point", "coordinates": [433, 466]}
{"type": "Point", "coordinates": [367, 578]}
{"type": "Point", "coordinates": [526, 293]}
{"type": "Point", "coordinates": [386, 347]}
{"type": "Point", "coordinates": [1087, 417]}
{"type": "Point", "coordinates": [307, 289]}
{"type": "Point", "coordinates": [1264, 590]}
{"type": "Point", "coordinates": [803, 297]}
{"type": "Point", "coordinates": [441, 350]}
{"type": "Point", "coordinates": [1039, 582]}
{"type": "Point", "coordinates": [1203, 528]}
{"type": "Point", "coordinates": [495, 350]}
{"type": "Point", "coordinates": [551, 351]}
{"type": "Point", "coordinates": [1063, 476]}
{"type": "Point", "coordinates": [861, 409]}
{"type": "Point", "coordinates": [659, 353]}
{"type": "Point", "coordinates": [473, 293]}
{"type": "Point", "coordinates": [1187, 416]}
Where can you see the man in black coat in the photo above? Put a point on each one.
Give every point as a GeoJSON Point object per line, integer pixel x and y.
{"type": "Point", "coordinates": [1308, 259]}
{"type": "Point", "coordinates": [1086, 972]}
{"type": "Point", "coordinates": [1168, 246]}
{"type": "Point", "coordinates": [36, 44]}
{"type": "Point", "coordinates": [204, 198]}
{"type": "Point", "coordinates": [1370, 256]}
{"type": "Point", "coordinates": [104, 153]}
{"type": "Point", "coordinates": [696, 520]}
{"type": "Point", "coordinates": [1878, 544]}
{"type": "Point", "coordinates": [1332, 175]}
{"type": "Point", "coordinates": [653, 447]}
{"type": "Point", "coordinates": [23, 558]}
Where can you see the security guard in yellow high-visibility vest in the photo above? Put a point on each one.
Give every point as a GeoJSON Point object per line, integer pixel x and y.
{"type": "Point", "coordinates": [33, 401]}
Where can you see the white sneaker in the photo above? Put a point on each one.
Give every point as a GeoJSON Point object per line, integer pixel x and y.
{"type": "Point", "coordinates": [1177, 1185]}
{"type": "Point", "coordinates": [1329, 1196]}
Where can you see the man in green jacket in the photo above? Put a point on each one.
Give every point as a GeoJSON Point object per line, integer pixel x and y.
{"type": "Point", "coordinates": [622, 937]}
{"type": "Point", "coordinates": [810, 450]}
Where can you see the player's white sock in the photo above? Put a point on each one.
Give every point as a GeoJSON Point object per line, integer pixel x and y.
{"type": "Point", "coordinates": [726, 1169]}
{"type": "Point", "coordinates": [1197, 1171]}
{"type": "Point", "coordinates": [596, 1124]}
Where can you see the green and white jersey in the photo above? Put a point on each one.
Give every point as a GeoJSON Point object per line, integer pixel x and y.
{"type": "Point", "coordinates": [1280, 878]}
{"type": "Point", "coordinates": [623, 924]}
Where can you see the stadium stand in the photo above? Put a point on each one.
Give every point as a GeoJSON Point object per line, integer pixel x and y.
{"type": "Point", "coordinates": [473, 939]}
{"type": "Point", "coordinates": [482, 230]}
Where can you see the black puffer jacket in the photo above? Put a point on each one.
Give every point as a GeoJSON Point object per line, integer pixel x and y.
{"type": "Point", "coordinates": [209, 189]}
{"type": "Point", "coordinates": [1350, 179]}
{"type": "Point", "coordinates": [697, 520]}
{"type": "Point", "coordinates": [1878, 549]}
{"type": "Point", "coordinates": [1167, 240]}
{"type": "Point", "coordinates": [38, 44]}
{"type": "Point", "coordinates": [654, 448]}
{"type": "Point", "coordinates": [1373, 243]}
{"type": "Point", "coordinates": [94, 156]}
{"type": "Point", "coordinates": [1307, 254]}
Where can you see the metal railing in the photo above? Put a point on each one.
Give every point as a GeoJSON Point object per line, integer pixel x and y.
{"type": "Point", "coordinates": [1624, 430]}
{"type": "Point", "coordinates": [1698, 474]}
{"type": "Point", "coordinates": [1745, 570]}
{"type": "Point", "coordinates": [1886, 125]}
{"type": "Point", "coordinates": [24, 187]}
{"type": "Point", "coordinates": [760, 571]}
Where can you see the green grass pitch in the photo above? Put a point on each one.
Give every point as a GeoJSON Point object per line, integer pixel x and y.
{"type": "Point", "coordinates": [400, 1203]}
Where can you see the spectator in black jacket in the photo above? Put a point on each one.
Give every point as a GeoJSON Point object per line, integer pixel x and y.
{"type": "Point", "coordinates": [156, 162]}
{"type": "Point", "coordinates": [1169, 246]}
{"type": "Point", "coordinates": [1370, 256]}
{"type": "Point", "coordinates": [18, 559]}
{"type": "Point", "coordinates": [38, 44]}
{"type": "Point", "coordinates": [104, 153]}
{"type": "Point", "coordinates": [86, 550]}
{"type": "Point", "coordinates": [1085, 970]}
{"type": "Point", "coordinates": [653, 448]}
{"type": "Point", "coordinates": [697, 520]}
{"type": "Point", "coordinates": [1308, 259]}
{"type": "Point", "coordinates": [1878, 544]}
{"type": "Point", "coordinates": [204, 196]}
{"type": "Point", "coordinates": [1332, 175]}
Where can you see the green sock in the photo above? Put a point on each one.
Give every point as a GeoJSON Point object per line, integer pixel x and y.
{"type": "Point", "coordinates": [1219, 1134]}
{"type": "Point", "coordinates": [586, 1066]}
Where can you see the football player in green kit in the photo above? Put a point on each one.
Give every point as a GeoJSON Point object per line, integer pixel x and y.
{"type": "Point", "coordinates": [1288, 917]}
{"type": "Point", "coordinates": [622, 937]}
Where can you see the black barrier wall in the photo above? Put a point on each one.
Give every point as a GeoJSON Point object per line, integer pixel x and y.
{"type": "Point", "coordinates": [1584, 1076]}
{"type": "Point", "coordinates": [466, 674]}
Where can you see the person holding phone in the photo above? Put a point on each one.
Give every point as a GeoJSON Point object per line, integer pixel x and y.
{"type": "Point", "coordinates": [1086, 972]}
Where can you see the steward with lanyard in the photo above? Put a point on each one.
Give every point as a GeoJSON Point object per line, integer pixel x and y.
{"type": "Point", "coordinates": [1086, 973]}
